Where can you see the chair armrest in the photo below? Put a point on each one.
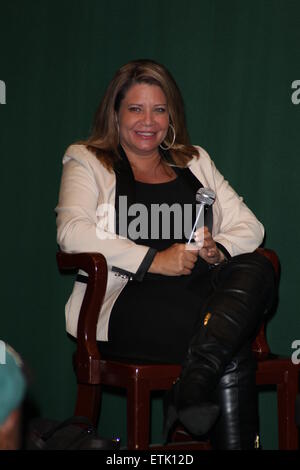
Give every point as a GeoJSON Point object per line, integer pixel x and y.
{"type": "Point", "coordinates": [260, 345]}
{"type": "Point", "coordinates": [87, 361]}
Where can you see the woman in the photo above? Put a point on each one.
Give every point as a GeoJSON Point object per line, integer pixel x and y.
{"type": "Point", "coordinates": [199, 307]}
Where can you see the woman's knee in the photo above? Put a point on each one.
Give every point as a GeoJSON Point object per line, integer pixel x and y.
{"type": "Point", "coordinates": [255, 262]}
{"type": "Point", "coordinates": [249, 273]}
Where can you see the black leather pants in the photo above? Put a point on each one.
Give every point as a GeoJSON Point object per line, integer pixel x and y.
{"type": "Point", "coordinates": [236, 394]}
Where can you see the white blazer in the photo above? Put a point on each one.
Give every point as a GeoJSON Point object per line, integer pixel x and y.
{"type": "Point", "coordinates": [86, 184]}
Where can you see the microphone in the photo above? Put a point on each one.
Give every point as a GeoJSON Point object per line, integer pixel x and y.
{"type": "Point", "coordinates": [205, 197]}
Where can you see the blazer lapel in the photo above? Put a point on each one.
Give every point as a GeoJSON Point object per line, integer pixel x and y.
{"type": "Point", "coordinates": [125, 186]}
{"type": "Point", "coordinates": [193, 183]}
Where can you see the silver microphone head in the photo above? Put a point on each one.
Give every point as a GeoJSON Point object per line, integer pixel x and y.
{"type": "Point", "coordinates": [205, 196]}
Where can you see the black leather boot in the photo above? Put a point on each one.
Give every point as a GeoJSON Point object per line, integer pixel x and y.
{"type": "Point", "coordinates": [237, 425]}
{"type": "Point", "coordinates": [244, 290]}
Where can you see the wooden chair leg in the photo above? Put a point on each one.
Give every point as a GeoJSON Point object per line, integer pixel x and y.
{"type": "Point", "coordinates": [287, 429]}
{"type": "Point", "coordinates": [88, 401]}
{"type": "Point", "coordinates": [138, 416]}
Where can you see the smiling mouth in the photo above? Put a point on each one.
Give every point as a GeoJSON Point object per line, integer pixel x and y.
{"type": "Point", "coordinates": [145, 134]}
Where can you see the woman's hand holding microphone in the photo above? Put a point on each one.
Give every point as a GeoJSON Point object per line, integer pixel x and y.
{"type": "Point", "coordinates": [179, 259]}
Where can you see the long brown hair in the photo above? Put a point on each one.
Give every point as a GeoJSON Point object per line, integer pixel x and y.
{"type": "Point", "coordinates": [104, 139]}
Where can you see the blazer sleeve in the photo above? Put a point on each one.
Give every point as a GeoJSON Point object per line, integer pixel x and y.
{"type": "Point", "coordinates": [80, 230]}
{"type": "Point", "coordinates": [239, 231]}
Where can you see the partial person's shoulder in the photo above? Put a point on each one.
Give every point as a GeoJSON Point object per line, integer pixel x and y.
{"type": "Point", "coordinates": [80, 153]}
{"type": "Point", "coordinates": [201, 157]}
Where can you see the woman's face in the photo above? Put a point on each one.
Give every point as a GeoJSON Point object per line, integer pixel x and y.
{"type": "Point", "coordinates": [143, 119]}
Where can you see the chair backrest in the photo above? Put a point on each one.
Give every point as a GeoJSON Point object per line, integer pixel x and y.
{"type": "Point", "coordinates": [94, 264]}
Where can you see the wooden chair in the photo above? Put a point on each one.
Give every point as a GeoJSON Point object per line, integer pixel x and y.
{"type": "Point", "coordinates": [140, 380]}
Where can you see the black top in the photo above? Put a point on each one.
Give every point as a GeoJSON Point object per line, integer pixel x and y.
{"type": "Point", "coordinates": [167, 204]}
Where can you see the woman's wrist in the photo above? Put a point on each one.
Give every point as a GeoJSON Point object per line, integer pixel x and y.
{"type": "Point", "coordinates": [155, 265]}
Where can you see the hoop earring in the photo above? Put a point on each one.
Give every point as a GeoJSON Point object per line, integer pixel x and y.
{"type": "Point", "coordinates": [174, 137]}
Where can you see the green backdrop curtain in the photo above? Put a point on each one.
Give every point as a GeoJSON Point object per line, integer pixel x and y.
{"type": "Point", "coordinates": [234, 60]}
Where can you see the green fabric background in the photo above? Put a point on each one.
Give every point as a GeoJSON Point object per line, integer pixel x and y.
{"type": "Point", "coordinates": [234, 60]}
